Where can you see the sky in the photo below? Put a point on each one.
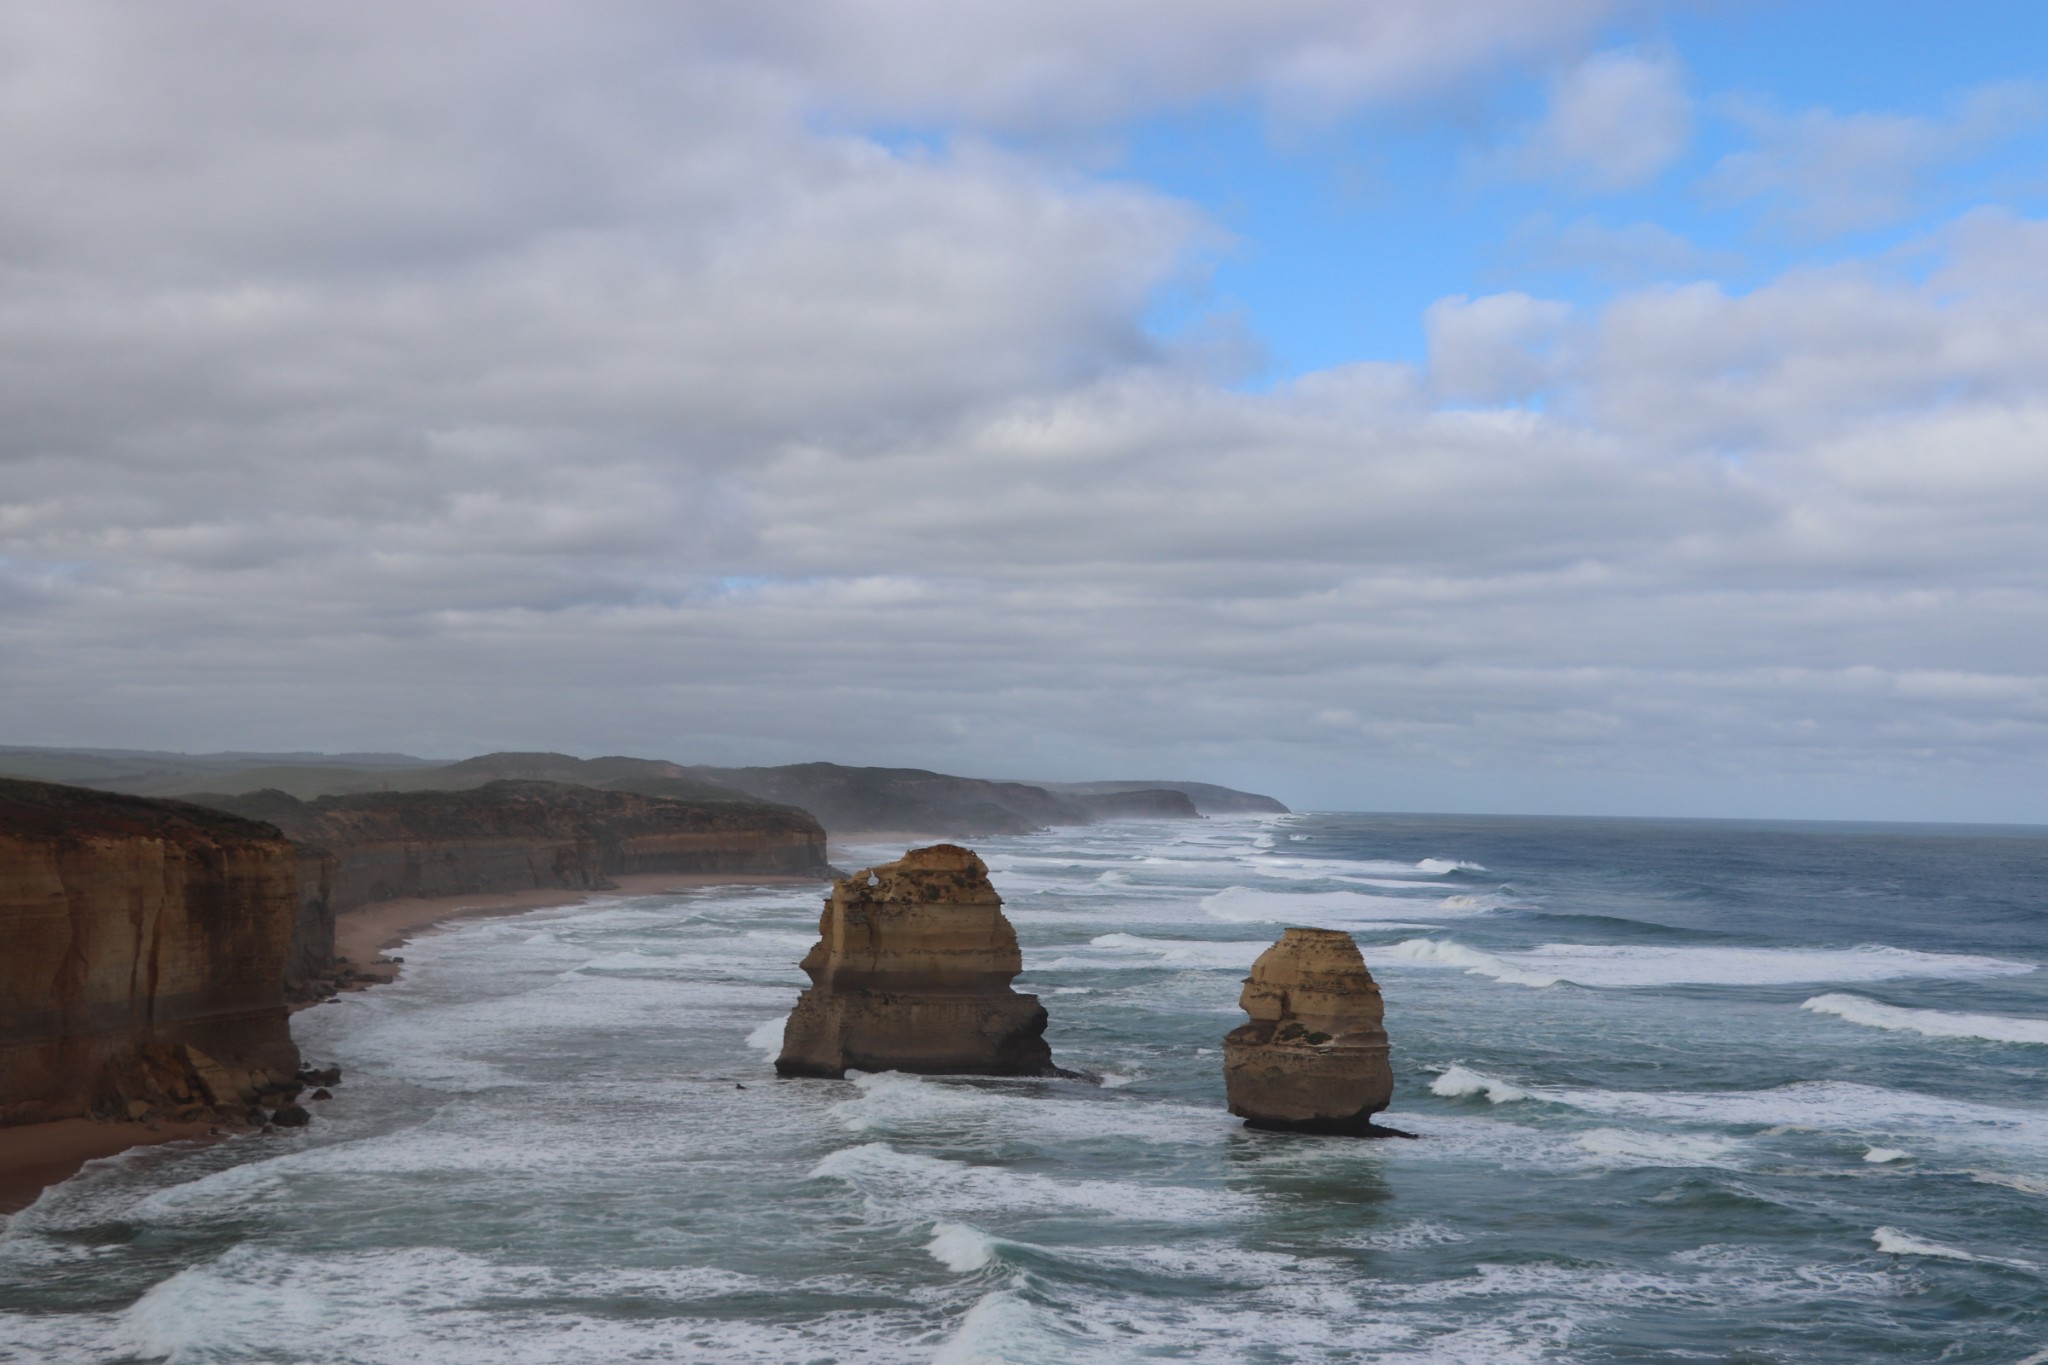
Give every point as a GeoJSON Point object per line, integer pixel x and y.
{"type": "Point", "coordinates": [1601, 407]}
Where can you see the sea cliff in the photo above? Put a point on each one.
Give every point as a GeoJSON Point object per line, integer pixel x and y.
{"type": "Point", "coordinates": [510, 836]}
{"type": "Point", "coordinates": [146, 945]}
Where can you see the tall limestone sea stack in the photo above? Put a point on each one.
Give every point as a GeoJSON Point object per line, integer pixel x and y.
{"type": "Point", "coordinates": [912, 972]}
{"type": "Point", "coordinates": [1313, 1059]}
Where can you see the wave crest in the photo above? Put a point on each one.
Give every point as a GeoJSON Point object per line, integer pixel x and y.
{"type": "Point", "coordinates": [1994, 1028]}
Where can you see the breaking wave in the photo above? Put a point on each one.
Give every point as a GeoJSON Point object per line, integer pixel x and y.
{"type": "Point", "coordinates": [1327, 909]}
{"type": "Point", "coordinates": [1458, 1082]}
{"type": "Point", "coordinates": [1622, 966]}
{"type": "Point", "coordinates": [1995, 1028]}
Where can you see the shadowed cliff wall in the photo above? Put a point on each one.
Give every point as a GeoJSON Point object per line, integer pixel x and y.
{"type": "Point", "coordinates": [511, 836]}
{"type": "Point", "coordinates": [130, 930]}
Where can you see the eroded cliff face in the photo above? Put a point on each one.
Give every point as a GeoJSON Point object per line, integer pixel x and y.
{"type": "Point", "coordinates": [510, 836]}
{"type": "Point", "coordinates": [912, 972]}
{"type": "Point", "coordinates": [143, 951]}
{"type": "Point", "coordinates": [1314, 1056]}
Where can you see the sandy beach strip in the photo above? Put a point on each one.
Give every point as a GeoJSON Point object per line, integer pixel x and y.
{"type": "Point", "coordinates": [36, 1155]}
{"type": "Point", "coordinates": [363, 934]}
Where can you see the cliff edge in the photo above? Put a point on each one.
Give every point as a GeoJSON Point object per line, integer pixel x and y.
{"type": "Point", "coordinates": [509, 836]}
{"type": "Point", "coordinates": [145, 952]}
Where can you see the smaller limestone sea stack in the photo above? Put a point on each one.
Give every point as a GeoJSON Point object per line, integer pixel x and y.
{"type": "Point", "coordinates": [912, 972]}
{"type": "Point", "coordinates": [1313, 1059]}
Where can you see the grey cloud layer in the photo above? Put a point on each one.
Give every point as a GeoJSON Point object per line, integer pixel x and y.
{"type": "Point", "coordinates": [461, 377]}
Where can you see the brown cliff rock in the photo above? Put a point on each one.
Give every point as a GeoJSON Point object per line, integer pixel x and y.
{"type": "Point", "coordinates": [1313, 1059]}
{"type": "Point", "coordinates": [145, 945]}
{"type": "Point", "coordinates": [911, 972]}
{"type": "Point", "coordinates": [509, 836]}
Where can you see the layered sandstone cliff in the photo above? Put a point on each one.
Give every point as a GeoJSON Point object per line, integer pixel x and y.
{"type": "Point", "coordinates": [145, 948]}
{"type": "Point", "coordinates": [1314, 1056]}
{"type": "Point", "coordinates": [912, 972]}
{"type": "Point", "coordinates": [510, 836]}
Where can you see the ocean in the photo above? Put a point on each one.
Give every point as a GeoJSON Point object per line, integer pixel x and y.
{"type": "Point", "coordinates": [1684, 1091]}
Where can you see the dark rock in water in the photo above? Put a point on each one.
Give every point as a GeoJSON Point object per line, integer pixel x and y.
{"type": "Point", "coordinates": [912, 972]}
{"type": "Point", "coordinates": [323, 1093]}
{"type": "Point", "coordinates": [291, 1116]}
{"type": "Point", "coordinates": [1313, 1059]}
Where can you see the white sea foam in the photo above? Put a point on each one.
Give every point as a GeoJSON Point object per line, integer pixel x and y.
{"type": "Point", "coordinates": [382, 1319]}
{"type": "Point", "coordinates": [1005, 1329]}
{"type": "Point", "coordinates": [891, 1102]}
{"type": "Point", "coordinates": [1407, 1236]}
{"type": "Point", "coordinates": [902, 1185]}
{"type": "Point", "coordinates": [1996, 1028]}
{"type": "Point", "coordinates": [767, 1035]}
{"type": "Point", "coordinates": [1442, 952]}
{"type": "Point", "coordinates": [961, 1248]}
{"type": "Point", "coordinates": [1625, 1147]}
{"type": "Point", "coordinates": [1636, 965]}
{"type": "Point", "coordinates": [1416, 875]}
{"type": "Point", "coordinates": [1881, 1156]}
{"type": "Point", "coordinates": [1134, 951]}
{"type": "Point", "coordinates": [1326, 909]}
{"type": "Point", "coordinates": [1458, 1081]}
{"type": "Point", "coordinates": [392, 1305]}
{"type": "Point", "coordinates": [1877, 1115]}
{"type": "Point", "coordinates": [2025, 1184]}
{"type": "Point", "coordinates": [1896, 1243]}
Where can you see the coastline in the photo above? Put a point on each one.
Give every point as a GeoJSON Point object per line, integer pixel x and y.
{"type": "Point", "coordinates": [362, 935]}
{"type": "Point", "coordinates": [35, 1156]}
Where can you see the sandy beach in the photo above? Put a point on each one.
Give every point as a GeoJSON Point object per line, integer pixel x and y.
{"type": "Point", "coordinates": [37, 1155]}
{"type": "Point", "coordinates": [34, 1156]}
{"type": "Point", "coordinates": [362, 936]}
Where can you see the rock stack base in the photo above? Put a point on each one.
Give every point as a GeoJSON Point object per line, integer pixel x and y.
{"type": "Point", "coordinates": [912, 972]}
{"type": "Point", "coordinates": [1313, 1059]}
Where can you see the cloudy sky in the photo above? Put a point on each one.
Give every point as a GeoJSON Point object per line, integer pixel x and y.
{"type": "Point", "coordinates": [1390, 404]}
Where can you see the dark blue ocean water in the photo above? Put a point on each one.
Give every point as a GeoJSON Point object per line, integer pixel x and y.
{"type": "Point", "coordinates": [1686, 1091]}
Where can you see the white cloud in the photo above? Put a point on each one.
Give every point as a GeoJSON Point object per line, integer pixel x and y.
{"type": "Point", "coordinates": [1825, 173]}
{"type": "Point", "coordinates": [1497, 349]}
{"type": "Point", "coordinates": [1614, 122]}
{"type": "Point", "coordinates": [566, 385]}
{"type": "Point", "coordinates": [1630, 253]}
{"type": "Point", "coordinates": [1068, 63]}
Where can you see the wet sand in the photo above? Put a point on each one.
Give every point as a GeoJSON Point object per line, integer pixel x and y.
{"type": "Point", "coordinates": [37, 1155]}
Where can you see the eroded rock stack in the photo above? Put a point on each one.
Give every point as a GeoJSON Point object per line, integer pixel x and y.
{"type": "Point", "coordinates": [1313, 1059]}
{"type": "Point", "coordinates": [142, 958]}
{"type": "Point", "coordinates": [912, 972]}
